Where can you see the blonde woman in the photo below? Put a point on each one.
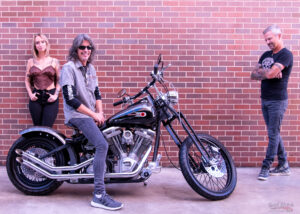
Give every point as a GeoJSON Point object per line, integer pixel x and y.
{"type": "Point", "coordinates": [42, 83]}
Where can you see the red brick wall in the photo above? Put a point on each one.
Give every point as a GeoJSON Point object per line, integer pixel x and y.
{"type": "Point", "coordinates": [212, 46]}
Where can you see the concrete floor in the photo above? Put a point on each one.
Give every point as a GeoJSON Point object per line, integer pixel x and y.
{"type": "Point", "coordinates": [167, 192]}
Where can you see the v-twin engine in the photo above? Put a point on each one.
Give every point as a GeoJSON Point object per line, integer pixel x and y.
{"type": "Point", "coordinates": [126, 147]}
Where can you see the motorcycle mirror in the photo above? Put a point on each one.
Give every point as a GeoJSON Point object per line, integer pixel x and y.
{"type": "Point", "coordinates": [159, 59]}
{"type": "Point", "coordinates": [122, 92]}
{"type": "Point", "coordinates": [162, 65]}
{"type": "Point", "coordinates": [157, 64]}
{"type": "Point", "coordinates": [155, 69]}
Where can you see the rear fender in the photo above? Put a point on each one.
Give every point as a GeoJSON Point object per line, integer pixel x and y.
{"type": "Point", "coordinates": [54, 135]}
{"type": "Point", "coordinates": [45, 131]}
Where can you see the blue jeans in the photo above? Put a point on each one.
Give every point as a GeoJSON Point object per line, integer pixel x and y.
{"type": "Point", "coordinates": [92, 132]}
{"type": "Point", "coordinates": [273, 111]}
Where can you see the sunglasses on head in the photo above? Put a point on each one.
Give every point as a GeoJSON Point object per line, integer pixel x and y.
{"type": "Point", "coordinates": [82, 47]}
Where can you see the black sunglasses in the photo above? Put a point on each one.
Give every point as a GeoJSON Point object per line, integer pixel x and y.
{"type": "Point", "coordinates": [82, 47]}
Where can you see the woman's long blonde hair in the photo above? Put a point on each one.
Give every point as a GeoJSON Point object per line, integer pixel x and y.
{"type": "Point", "coordinates": [35, 51]}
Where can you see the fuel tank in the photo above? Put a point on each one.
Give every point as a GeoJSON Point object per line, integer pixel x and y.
{"type": "Point", "coordinates": [139, 114]}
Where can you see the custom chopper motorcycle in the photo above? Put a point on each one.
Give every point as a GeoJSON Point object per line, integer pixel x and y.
{"type": "Point", "coordinates": [43, 158]}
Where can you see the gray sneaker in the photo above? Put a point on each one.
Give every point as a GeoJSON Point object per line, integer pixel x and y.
{"type": "Point", "coordinates": [106, 202]}
{"type": "Point", "coordinates": [281, 170]}
{"type": "Point", "coordinates": [264, 174]}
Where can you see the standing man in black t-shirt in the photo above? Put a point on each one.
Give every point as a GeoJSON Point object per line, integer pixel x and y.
{"type": "Point", "coordinates": [273, 70]}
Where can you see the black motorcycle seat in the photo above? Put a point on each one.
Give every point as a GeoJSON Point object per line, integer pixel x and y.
{"type": "Point", "coordinates": [70, 125]}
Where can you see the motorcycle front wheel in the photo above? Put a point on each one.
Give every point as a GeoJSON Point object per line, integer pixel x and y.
{"type": "Point", "coordinates": [26, 179]}
{"type": "Point", "coordinates": [215, 180]}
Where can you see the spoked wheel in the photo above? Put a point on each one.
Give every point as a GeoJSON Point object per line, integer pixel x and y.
{"type": "Point", "coordinates": [26, 179]}
{"type": "Point", "coordinates": [215, 180]}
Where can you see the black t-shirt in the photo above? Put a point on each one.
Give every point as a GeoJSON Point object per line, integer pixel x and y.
{"type": "Point", "coordinates": [276, 89]}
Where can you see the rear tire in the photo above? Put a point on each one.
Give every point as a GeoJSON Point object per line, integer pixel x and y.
{"type": "Point", "coordinates": [212, 182]}
{"type": "Point", "coordinates": [24, 178]}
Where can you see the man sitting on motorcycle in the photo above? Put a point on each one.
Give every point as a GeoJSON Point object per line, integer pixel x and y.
{"type": "Point", "coordinates": [83, 109]}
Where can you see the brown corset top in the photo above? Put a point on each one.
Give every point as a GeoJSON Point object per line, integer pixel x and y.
{"type": "Point", "coordinates": [42, 79]}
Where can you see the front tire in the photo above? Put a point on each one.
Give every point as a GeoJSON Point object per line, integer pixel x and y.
{"type": "Point", "coordinates": [26, 179]}
{"type": "Point", "coordinates": [214, 181]}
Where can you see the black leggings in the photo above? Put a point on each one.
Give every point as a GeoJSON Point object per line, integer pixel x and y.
{"type": "Point", "coordinates": [42, 112]}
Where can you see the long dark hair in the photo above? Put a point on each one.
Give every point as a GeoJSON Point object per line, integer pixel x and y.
{"type": "Point", "coordinates": [76, 43]}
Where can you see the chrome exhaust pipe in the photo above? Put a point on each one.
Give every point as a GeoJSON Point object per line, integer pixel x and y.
{"type": "Point", "coordinates": [47, 174]}
{"type": "Point", "coordinates": [60, 177]}
{"type": "Point", "coordinates": [19, 151]}
{"type": "Point", "coordinates": [33, 159]}
{"type": "Point", "coordinates": [19, 159]}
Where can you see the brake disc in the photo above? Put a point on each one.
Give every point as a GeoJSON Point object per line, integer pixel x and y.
{"type": "Point", "coordinates": [215, 171]}
{"type": "Point", "coordinates": [32, 174]}
{"type": "Point", "coordinates": [216, 167]}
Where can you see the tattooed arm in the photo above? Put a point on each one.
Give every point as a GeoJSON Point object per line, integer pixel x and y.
{"type": "Point", "coordinates": [260, 73]}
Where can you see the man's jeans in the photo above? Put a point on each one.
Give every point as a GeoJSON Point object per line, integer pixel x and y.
{"type": "Point", "coordinates": [273, 111]}
{"type": "Point", "coordinates": [95, 136]}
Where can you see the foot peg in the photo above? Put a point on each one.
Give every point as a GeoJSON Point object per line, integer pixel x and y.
{"type": "Point", "coordinates": [154, 166]}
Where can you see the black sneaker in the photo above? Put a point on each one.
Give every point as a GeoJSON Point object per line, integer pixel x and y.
{"type": "Point", "coordinates": [281, 170]}
{"type": "Point", "coordinates": [264, 174]}
{"type": "Point", "coordinates": [106, 202]}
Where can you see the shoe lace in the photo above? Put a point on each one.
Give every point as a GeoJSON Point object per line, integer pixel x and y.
{"type": "Point", "coordinates": [107, 198]}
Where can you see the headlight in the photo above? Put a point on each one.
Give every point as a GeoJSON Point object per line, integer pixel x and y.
{"type": "Point", "coordinates": [172, 97]}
